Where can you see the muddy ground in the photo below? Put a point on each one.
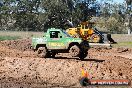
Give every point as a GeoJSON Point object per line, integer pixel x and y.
{"type": "Point", "coordinates": [21, 68]}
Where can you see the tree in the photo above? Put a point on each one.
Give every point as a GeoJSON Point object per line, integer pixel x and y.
{"type": "Point", "coordinates": [59, 11]}
{"type": "Point", "coordinates": [113, 17]}
{"type": "Point", "coordinates": [26, 15]}
{"type": "Point", "coordinates": [129, 15]}
{"type": "Point", "coordinates": [41, 14]}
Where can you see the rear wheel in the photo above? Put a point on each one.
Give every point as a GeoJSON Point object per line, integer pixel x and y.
{"type": "Point", "coordinates": [83, 54]}
{"type": "Point", "coordinates": [42, 52]}
{"type": "Point", "coordinates": [74, 50]}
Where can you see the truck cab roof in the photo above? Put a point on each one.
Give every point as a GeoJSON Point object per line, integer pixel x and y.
{"type": "Point", "coordinates": [54, 29]}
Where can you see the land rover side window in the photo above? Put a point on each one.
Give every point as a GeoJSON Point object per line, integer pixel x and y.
{"type": "Point", "coordinates": [54, 34]}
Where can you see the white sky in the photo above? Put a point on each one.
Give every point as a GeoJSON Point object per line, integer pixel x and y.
{"type": "Point", "coordinates": [118, 1]}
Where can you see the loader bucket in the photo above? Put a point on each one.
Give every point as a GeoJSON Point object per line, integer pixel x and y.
{"type": "Point", "coordinates": [110, 39]}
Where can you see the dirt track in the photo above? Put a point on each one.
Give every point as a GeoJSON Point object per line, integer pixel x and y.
{"type": "Point", "coordinates": [20, 67]}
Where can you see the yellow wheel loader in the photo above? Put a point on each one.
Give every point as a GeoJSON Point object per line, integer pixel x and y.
{"type": "Point", "coordinates": [86, 31]}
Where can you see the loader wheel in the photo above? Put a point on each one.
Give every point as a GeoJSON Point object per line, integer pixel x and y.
{"type": "Point", "coordinates": [95, 38]}
{"type": "Point", "coordinates": [74, 51]}
{"type": "Point", "coordinates": [42, 52]}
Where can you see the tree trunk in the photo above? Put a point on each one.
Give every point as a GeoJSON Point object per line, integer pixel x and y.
{"type": "Point", "coordinates": [129, 31]}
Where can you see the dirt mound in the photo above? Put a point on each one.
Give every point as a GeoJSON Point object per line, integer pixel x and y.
{"type": "Point", "coordinates": [20, 44]}
{"type": "Point", "coordinates": [20, 67]}
{"type": "Point", "coordinates": [38, 72]}
{"type": "Point", "coordinates": [9, 50]}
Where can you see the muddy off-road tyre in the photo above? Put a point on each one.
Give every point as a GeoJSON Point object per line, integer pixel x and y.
{"type": "Point", "coordinates": [74, 50]}
{"type": "Point", "coordinates": [84, 49]}
{"type": "Point", "coordinates": [83, 54]}
{"type": "Point", "coordinates": [42, 52]}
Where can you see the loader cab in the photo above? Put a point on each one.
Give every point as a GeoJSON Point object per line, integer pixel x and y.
{"type": "Point", "coordinates": [86, 28]}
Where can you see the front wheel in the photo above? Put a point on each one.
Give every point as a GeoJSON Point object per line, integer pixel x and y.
{"type": "Point", "coordinates": [42, 52]}
{"type": "Point", "coordinates": [83, 54]}
{"type": "Point", "coordinates": [74, 50]}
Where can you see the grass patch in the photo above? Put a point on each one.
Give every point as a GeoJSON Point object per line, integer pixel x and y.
{"type": "Point", "coordinates": [22, 34]}
{"type": "Point", "coordinates": [123, 44]}
{"type": "Point", "coordinates": [2, 38]}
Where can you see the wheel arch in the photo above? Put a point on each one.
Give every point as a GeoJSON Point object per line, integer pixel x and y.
{"type": "Point", "coordinates": [40, 45]}
{"type": "Point", "coordinates": [72, 44]}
